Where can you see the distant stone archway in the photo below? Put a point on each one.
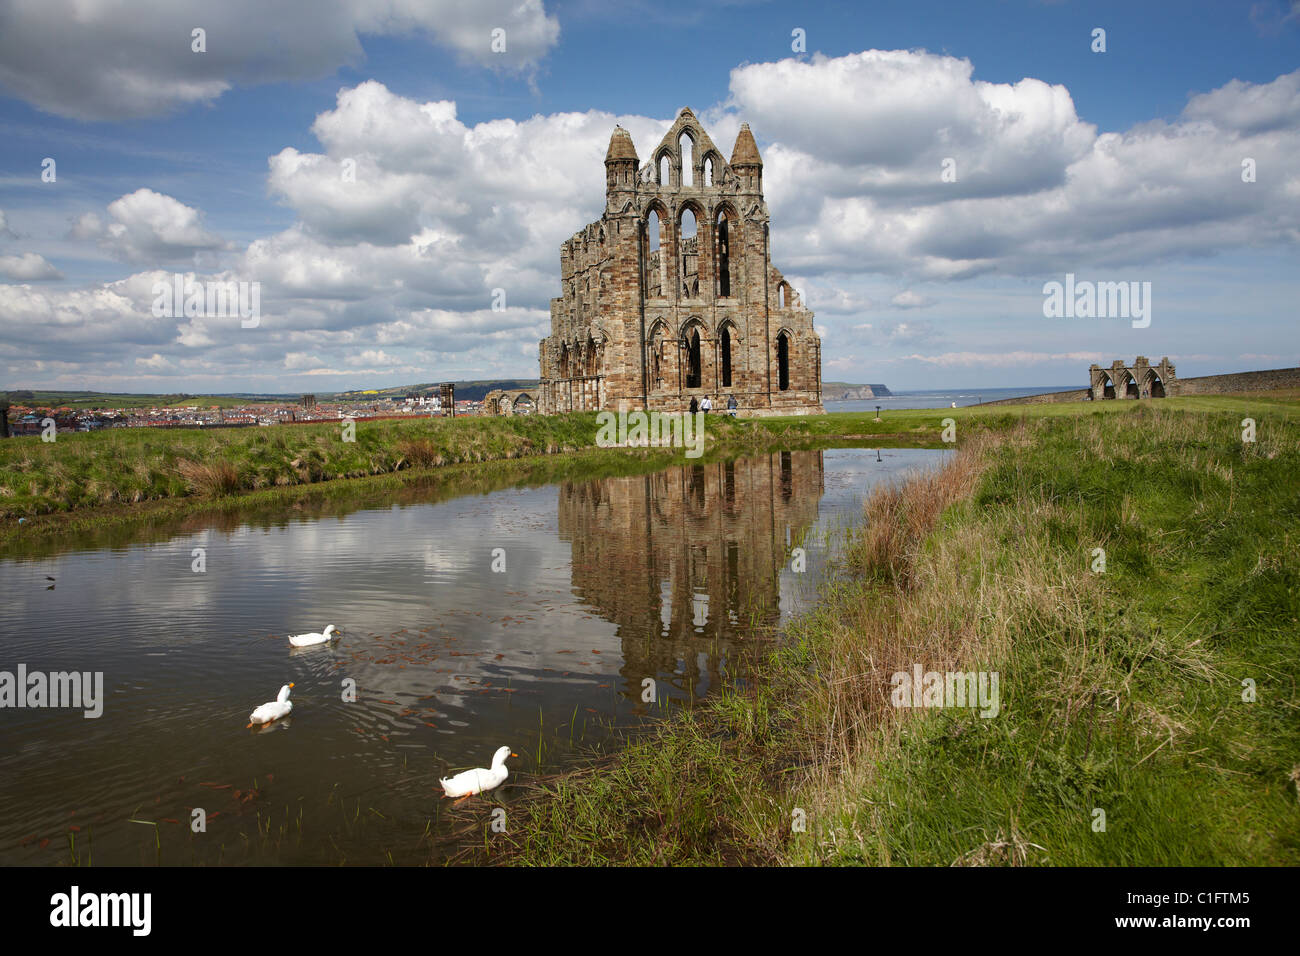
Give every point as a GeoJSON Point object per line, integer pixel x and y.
{"type": "Point", "coordinates": [1137, 381]}
{"type": "Point", "coordinates": [515, 401]}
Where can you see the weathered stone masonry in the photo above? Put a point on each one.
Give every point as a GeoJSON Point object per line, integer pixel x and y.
{"type": "Point", "coordinates": [506, 401]}
{"type": "Point", "coordinates": [1139, 380]}
{"type": "Point", "coordinates": [652, 316]}
{"type": "Point", "coordinates": [1143, 380]}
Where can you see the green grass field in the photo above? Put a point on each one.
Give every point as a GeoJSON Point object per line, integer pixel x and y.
{"type": "Point", "coordinates": [106, 469]}
{"type": "Point", "coordinates": [135, 465]}
{"type": "Point", "coordinates": [130, 466]}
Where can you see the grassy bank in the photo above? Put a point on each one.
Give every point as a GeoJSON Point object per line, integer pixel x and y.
{"type": "Point", "coordinates": [116, 467]}
{"type": "Point", "coordinates": [121, 524]}
{"type": "Point", "coordinates": [129, 466]}
{"type": "Point", "coordinates": [87, 479]}
{"type": "Point", "coordinates": [1120, 691]}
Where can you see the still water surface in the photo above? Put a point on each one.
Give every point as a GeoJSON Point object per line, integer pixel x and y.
{"type": "Point", "coordinates": [681, 576]}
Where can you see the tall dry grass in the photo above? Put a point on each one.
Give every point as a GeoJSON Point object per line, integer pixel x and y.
{"type": "Point", "coordinates": [215, 478]}
{"type": "Point", "coordinates": [419, 453]}
{"type": "Point", "coordinates": [1113, 684]}
{"type": "Point", "coordinates": [950, 602]}
{"type": "Point", "coordinates": [900, 515]}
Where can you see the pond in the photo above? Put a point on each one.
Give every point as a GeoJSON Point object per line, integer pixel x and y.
{"type": "Point", "coordinates": [556, 620]}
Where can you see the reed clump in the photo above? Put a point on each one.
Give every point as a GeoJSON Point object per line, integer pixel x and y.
{"type": "Point", "coordinates": [213, 478]}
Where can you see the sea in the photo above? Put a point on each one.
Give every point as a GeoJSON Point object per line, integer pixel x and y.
{"type": "Point", "coordinates": [942, 397]}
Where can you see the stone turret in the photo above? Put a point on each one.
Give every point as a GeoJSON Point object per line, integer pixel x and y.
{"type": "Point", "coordinates": [620, 163]}
{"type": "Point", "coordinates": [746, 162]}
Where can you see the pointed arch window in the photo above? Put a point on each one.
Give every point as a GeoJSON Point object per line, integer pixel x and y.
{"type": "Point", "coordinates": [655, 266]}
{"type": "Point", "coordinates": [783, 362]}
{"type": "Point", "coordinates": [688, 248]}
{"type": "Point", "coordinates": [658, 354]}
{"type": "Point", "coordinates": [694, 365]}
{"type": "Point", "coordinates": [726, 356]}
{"type": "Point", "coordinates": [724, 255]}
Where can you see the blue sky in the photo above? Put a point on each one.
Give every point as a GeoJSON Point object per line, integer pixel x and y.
{"type": "Point", "coordinates": [1116, 166]}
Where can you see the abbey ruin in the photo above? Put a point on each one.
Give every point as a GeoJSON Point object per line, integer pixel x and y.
{"type": "Point", "coordinates": [1139, 380]}
{"type": "Point", "coordinates": [671, 295]}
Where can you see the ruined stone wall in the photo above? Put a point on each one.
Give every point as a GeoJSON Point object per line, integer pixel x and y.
{"type": "Point", "coordinates": [1201, 385]}
{"type": "Point", "coordinates": [1239, 382]}
{"type": "Point", "coordinates": [509, 402]}
{"type": "Point", "coordinates": [1047, 398]}
{"type": "Point", "coordinates": [640, 327]}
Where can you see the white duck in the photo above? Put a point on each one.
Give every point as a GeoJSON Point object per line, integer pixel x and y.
{"type": "Point", "coordinates": [474, 781]}
{"type": "Point", "coordinates": [276, 709]}
{"type": "Point", "coordinates": [307, 640]}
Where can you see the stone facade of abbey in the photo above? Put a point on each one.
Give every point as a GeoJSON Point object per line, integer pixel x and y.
{"type": "Point", "coordinates": [671, 295]}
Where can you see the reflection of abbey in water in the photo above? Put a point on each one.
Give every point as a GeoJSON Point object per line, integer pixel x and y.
{"type": "Point", "coordinates": [699, 548]}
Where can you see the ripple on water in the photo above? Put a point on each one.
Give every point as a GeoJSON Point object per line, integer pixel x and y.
{"type": "Point", "coordinates": [677, 576]}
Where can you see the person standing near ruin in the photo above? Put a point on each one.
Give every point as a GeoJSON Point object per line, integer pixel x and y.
{"type": "Point", "coordinates": [695, 406]}
{"type": "Point", "coordinates": [731, 405]}
{"type": "Point", "coordinates": [707, 405]}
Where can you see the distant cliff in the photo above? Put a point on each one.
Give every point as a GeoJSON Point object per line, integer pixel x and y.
{"type": "Point", "coordinates": [846, 392]}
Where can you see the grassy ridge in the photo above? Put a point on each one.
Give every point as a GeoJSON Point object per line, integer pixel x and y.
{"type": "Point", "coordinates": [1121, 691]}
{"type": "Point", "coordinates": [133, 465]}
{"type": "Point", "coordinates": [123, 524]}
{"type": "Point", "coordinates": [116, 466]}
{"type": "Point", "coordinates": [129, 466]}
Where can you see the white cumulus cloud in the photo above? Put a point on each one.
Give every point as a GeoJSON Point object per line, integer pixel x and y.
{"type": "Point", "coordinates": [145, 226]}
{"type": "Point", "coordinates": [27, 267]}
{"type": "Point", "coordinates": [114, 59]}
